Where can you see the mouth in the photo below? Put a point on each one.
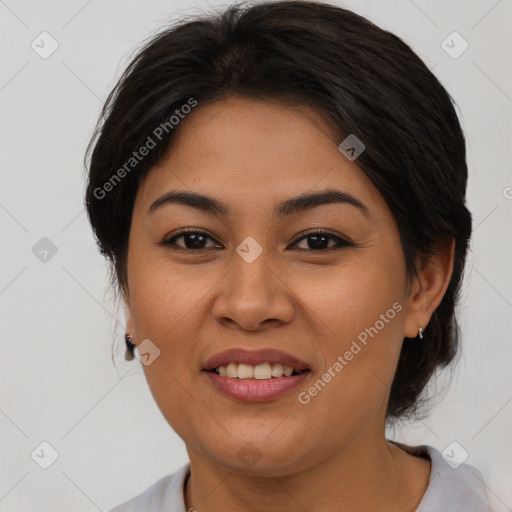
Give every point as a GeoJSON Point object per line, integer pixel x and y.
{"type": "Point", "coordinates": [255, 376]}
{"type": "Point", "coordinates": [260, 364]}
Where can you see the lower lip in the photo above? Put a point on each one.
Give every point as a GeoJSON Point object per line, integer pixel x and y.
{"type": "Point", "coordinates": [254, 390]}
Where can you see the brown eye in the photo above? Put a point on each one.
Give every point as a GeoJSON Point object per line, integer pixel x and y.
{"type": "Point", "coordinates": [319, 241]}
{"type": "Point", "coordinates": [192, 240]}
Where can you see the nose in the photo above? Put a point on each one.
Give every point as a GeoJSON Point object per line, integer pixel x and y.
{"type": "Point", "coordinates": [253, 296]}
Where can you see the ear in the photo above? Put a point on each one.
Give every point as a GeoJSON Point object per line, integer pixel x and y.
{"type": "Point", "coordinates": [428, 289]}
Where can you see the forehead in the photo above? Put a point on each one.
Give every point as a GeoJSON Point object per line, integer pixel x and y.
{"type": "Point", "coordinates": [252, 153]}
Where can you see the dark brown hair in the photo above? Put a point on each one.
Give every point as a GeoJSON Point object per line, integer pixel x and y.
{"type": "Point", "coordinates": [366, 80]}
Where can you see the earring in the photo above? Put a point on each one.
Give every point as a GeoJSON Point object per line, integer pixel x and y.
{"type": "Point", "coordinates": [129, 347]}
{"type": "Point", "coordinates": [419, 334]}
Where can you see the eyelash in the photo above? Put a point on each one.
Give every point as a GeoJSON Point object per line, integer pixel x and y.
{"type": "Point", "coordinates": [170, 242]}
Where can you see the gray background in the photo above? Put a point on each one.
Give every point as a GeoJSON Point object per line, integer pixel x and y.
{"type": "Point", "coordinates": [58, 383]}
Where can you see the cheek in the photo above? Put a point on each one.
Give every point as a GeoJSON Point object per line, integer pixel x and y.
{"type": "Point", "coordinates": [163, 293]}
{"type": "Point", "coordinates": [165, 301]}
{"type": "Point", "coordinates": [360, 318]}
{"type": "Point", "coordinates": [352, 296]}
{"type": "Point", "coordinates": [166, 304]}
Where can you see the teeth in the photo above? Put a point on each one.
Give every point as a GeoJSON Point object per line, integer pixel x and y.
{"type": "Point", "coordinates": [232, 370]}
{"type": "Point", "coordinates": [278, 370]}
{"type": "Point", "coordinates": [246, 371]}
{"type": "Point", "coordinates": [263, 371]}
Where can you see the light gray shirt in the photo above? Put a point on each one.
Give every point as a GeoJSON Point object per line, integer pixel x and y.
{"type": "Point", "coordinates": [450, 490]}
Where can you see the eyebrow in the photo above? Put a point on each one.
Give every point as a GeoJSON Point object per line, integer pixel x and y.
{"type": "Point", "coordinates": [294, 205]}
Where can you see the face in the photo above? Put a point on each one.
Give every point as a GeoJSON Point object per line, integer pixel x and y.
{"type": "Point", "coordinates": [252, 275]}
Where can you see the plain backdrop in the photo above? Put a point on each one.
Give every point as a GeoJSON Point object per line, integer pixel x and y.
{"type": "Point", "coordinates": [58, 320]}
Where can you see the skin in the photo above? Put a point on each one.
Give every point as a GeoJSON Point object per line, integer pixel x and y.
{"type": "Point", "coordinates": [330, 454]}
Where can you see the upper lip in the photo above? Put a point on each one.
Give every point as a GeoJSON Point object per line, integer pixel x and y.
{"type": "Point", "coordinates": [254, 357]}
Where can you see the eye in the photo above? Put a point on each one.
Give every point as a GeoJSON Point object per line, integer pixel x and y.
{"type": "Point", "coordinates": [193, 240]}
{"type": "Point", "coordinates": [318, 241]}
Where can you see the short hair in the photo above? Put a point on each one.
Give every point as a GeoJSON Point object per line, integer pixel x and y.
{"type": "Point", "coordinates": [365, 80]}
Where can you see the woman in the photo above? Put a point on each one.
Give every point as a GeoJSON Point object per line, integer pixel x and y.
{"type": "Point", "coordinates": [280, 190]}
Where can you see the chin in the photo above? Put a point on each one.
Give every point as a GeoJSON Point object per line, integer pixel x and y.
{"type": "Point", "coordinates": [257, 455]}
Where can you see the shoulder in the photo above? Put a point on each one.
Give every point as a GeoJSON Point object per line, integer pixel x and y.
{"type": "Point", "coordinates": [165, 494]}
{"type": "Point", "coordinates": [452, 486]}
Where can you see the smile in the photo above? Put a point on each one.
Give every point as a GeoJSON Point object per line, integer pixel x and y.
{"type": "Point", "coordinates": [263, 371]}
